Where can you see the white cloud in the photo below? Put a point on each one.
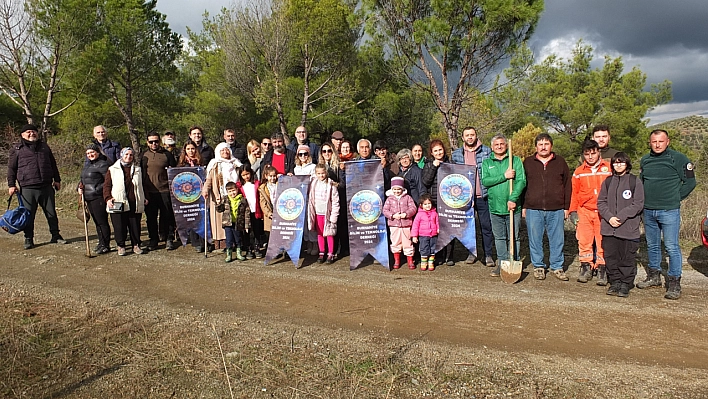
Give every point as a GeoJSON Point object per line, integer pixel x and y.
{"type": "Point", "coordinates": [669, 112]}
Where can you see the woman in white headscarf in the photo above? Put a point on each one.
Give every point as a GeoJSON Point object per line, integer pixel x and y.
{"type": "Point", "coordinates": [222, 169]}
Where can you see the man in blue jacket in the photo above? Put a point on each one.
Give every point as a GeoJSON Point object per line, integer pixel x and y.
{"type": "Point", "coordinates": [111, 149]}
{"type": "Point", "coordinates": [473, 152]}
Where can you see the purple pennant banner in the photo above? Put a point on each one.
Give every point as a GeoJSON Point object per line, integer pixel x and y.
{"type": "Point", "coordinates": [187, 201]}
{"type": "Point", "coordinates": [456, 193]}
{"type": "Point", "coordinates": [289, 210]}
{"type": "Point", "coordinates": [365, 219]}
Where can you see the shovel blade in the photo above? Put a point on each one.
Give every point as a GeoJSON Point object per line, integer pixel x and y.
{"type": "Point", "coordinates": [511, 271]}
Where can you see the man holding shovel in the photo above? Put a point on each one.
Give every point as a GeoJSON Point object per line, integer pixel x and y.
{"type": "Point", "coordinates": [497, 175]}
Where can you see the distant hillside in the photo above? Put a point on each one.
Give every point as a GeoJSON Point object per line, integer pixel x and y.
{"type": "Point", "coordinates": [693, 130]}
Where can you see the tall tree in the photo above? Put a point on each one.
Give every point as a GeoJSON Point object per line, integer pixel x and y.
{"type": "Point", "coordinates": [255, 39]}
{"type": "Point", "coordinates": [324, 45]}
{"type": "Point", "coordinates": [570, 96]}
{"type": "Point", "coordinates": [37, 39]}
{"type": "Point", "coordinates": [447, 47]}
{"type": "Point", "coordinates": [134, 54]}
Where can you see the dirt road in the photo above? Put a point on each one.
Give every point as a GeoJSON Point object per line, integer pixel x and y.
{"type": "Point", "coordinates": [459, 305]}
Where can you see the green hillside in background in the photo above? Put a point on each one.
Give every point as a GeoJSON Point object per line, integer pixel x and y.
{"type": "Point", "coordinates": [692, 130]}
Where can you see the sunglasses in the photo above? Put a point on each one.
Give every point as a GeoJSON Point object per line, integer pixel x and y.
{"type": "Point", "coordinates": [153, 141]}
{"type": "Point", "coordinates": [327, 151]}
{"type": "Point", "coordinates": [266, 144]}
{"type": "Point", "coordinates": [303, 154]}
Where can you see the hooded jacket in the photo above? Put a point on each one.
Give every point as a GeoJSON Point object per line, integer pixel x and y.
{"type": "Point", "coordinates": [395, 205]}
{"type": "Point", "coordinates": [618, 199]}
{"type": "Point", "coordinates": [426, 223]}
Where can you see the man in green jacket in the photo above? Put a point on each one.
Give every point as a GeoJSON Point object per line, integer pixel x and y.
{"type": "Point", "coordinates": [496, 176]}
{"type": "Point", "coordinates": [668, 178]}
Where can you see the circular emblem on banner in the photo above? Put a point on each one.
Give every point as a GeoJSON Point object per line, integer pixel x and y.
{"type": "Point", "coordinates": [290, 204]}
{"type": "Point", "coordinates": [604, 169]}
{"type": "Point", "coordinates": [689, 166]}
{"type": "Point", "coordinates": [455, 191]}
{"type": "Point", "coordinates": [626, 194]}
{"type": "Point", "coordinates": [365, 206]}
{"type": "Point", "coordinates": [187, 187]}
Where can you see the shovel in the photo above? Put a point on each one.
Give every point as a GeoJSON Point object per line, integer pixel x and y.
{"type": "Point", "coordinates": [511, 269]}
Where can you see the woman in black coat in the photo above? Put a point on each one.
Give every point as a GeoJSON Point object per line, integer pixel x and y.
{"type": "Point", "coordinates": [429, 176]}
{"type": "Point", "coordinates": [93, 175]}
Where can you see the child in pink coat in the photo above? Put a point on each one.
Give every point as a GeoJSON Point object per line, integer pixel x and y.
{"type": "Point", "coordinates": [426, 229]}
{"type": "Point", "coordinates": [399, 210]}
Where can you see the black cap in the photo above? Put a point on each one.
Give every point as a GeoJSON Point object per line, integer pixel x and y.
{"type": "Point", "coordinates": [28, 127]}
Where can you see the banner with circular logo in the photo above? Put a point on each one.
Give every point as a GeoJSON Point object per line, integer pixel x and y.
{"type": "Point", "coordinates": [365, 219]}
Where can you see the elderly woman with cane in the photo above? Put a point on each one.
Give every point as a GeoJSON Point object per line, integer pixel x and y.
{"type": "Point", "coordinates": [93, 176]}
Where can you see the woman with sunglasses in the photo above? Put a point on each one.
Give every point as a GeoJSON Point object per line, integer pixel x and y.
{"type": "Point", "coordinates": [329, 159]}
{"type": "Point", "coordinates": [305, 167]}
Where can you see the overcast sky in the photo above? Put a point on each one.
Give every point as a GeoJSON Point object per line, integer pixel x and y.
{"type": "Point", "coordinates": [667, 40]}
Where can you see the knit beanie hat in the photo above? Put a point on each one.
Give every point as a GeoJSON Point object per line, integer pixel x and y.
{"type": "Point", "coordinates": [303, 147]}
{"type": "Point", "coordinates": [397, 182]}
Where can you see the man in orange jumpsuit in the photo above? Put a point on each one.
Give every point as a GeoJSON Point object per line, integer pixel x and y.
{"type": "Point", "coordinates": [587, 182]}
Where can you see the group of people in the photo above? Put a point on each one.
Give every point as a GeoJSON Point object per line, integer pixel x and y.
{"type": "Point", "coordinates": [602, 198]}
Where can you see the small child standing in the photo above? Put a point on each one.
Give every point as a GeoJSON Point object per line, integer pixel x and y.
{"type": "Point", "coordinates": [236, 219]}
{"type": "Point", "coordinates": [323, 212]}
{"type": "Point", "coordinates": [399, 209]}
{"type": "Point", "coordinates": [426, 228]}
{"type": "Point", "coordinates": [248, 186]}
{"type": "Point", "coordinates": [266, 197]}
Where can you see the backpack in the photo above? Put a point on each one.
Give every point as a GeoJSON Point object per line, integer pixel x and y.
{"type": "Point", "coordinates": [15, 220]}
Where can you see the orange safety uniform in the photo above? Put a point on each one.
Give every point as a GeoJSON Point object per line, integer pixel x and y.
{"type": "Point", "coordinates": [587, 183]}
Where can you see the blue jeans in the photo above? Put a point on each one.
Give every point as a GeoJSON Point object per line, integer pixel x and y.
{"type": "Point", "coordinates": [538, 221]}
{"type": "Point", "coordinates": [500, 228]}
{"type": "Point", "coordinates": [233, 237]}
{"type": "Point", "coordinates": [668, 222]}
{"type": "Point", "coordinates": [427, 245]}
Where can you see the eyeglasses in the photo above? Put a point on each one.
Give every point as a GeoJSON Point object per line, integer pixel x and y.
{"type": "Point", "coordinates": [153, 141]}
{"type": "Point", "coordinates": [620, 163]}
{"type": "Point", "coordinates": [327, 151]}
{"type": "Point", "coordinates": [301, 131]}
{"type": "Point", "coordinates": [303, 154]}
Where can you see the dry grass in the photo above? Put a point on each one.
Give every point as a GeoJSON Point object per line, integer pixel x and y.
{"type": "Point", "coordinates": [74, 349]}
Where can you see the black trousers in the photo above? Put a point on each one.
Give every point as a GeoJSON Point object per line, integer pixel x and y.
{"type": "Point", "coordinates": [97, 209]}
{"type": "Point", "coordinates": [44, 197]}
{"type": "Point", "coordinates": [160, 204]}
{"type": "Point", "coordinates": [124, 223]}
{"type": "Point", "coordinates": [252, 240]}
{"type": "Point", "coordinates": [341, 239]}
{"type": "Point", "coordinates": [620, 259]}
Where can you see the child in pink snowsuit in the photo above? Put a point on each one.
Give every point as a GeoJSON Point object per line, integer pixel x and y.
{"type": "Point", "coordinates": [426, 227]}
{"type": "Point", "coordinates": [399, 210]}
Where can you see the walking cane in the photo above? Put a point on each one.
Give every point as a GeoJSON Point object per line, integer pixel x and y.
{"type": "Point", "coordinates": [83, 207]}
{"type": "Point", "coordinates": [206, 215]}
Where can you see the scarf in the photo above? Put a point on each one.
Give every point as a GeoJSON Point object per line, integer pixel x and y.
{"type": "Point", "coordinates": [228, 169]}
